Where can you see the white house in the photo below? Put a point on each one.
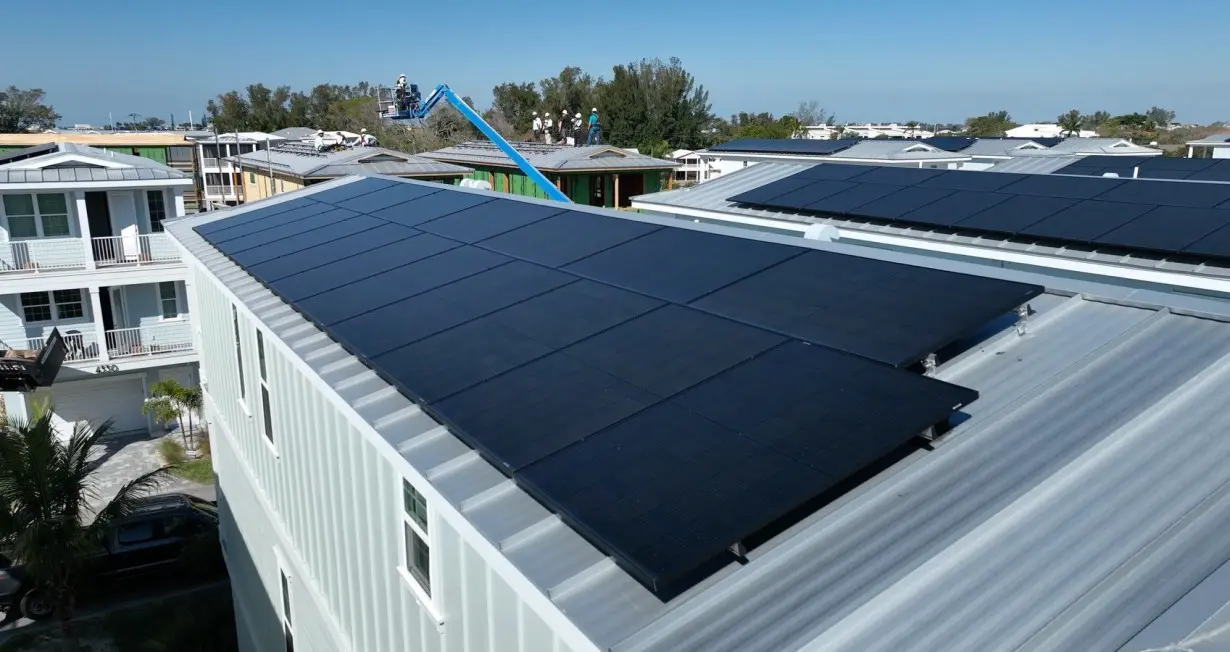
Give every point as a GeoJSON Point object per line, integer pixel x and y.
{"type": "Point", "coordinates": [1217, 145]}
{"type": "Point", "coordinates": [1044, 130]}
{"type": "Point", "coordinates": [220, 176]}
{"type": "Point", "coordinates": [693, 166]}
{"type": "Point", "coordinates": [83, 249]}
{"type": "Point", "coordinates": [735, 155]}
{"type": "Point", "coordinates": [354, 519]}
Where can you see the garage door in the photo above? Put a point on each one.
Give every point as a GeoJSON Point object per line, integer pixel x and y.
{"type": "Point", "coordinates": [95, 401]}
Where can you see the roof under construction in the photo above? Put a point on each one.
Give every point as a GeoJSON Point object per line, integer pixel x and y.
{"type": "Point", "coordinates": [553, 158]}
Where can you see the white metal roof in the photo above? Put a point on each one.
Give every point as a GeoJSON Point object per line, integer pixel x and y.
{"type": "Point", "coordinates": [1086, 494]}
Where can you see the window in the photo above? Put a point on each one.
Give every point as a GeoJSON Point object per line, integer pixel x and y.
{"type": "Point", "coordinates": [179, 154]}
{"type": "Point", "coordinates": [140, 532]}
{"type": "Point", "coordinates": [243, 392]}
{"type": "Point", "coordinates": [414, 521]}
{"type": "Point", "coordinates": [157, 209]}
{"type": "Point", "coordinates": [168, 297]}
{"type": "Point", "coordinates": [287, 629]}
{"type": "Point", "coordinates": [32, 216]}
{"type": "Point", "coordinates": [251, 177]}
{"type": "Point", "coordinates": [266, 413]}
{"type": "Point", "coordinates": [44, 306]}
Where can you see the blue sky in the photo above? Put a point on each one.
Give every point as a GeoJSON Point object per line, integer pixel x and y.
{"type": "Point", "coordinates": [926, 60]}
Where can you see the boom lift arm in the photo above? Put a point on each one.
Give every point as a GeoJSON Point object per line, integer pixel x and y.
{"type": "Point", "coordinates": [419, 111]}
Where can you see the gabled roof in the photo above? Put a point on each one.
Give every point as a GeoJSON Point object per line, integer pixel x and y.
{"type": "Point", "coordinates": [1034, 164]}
{"type": "Point", "coordinates": [554, 158]}
{"type": "Point", "coordinates": [852, 149]}
{"type": "Point", "coordinates": [304, 161]}
{"type": "Point", "coordinates": [72, 163]}
{"type": "Point", "coordinates": [1001, 146]}
{"type": "Point", "coordinates": [1103, 146]}
{"type": "Point", "coordinates": [1053, 516]}
{"type": "Point", "coordinates": [296, 133]}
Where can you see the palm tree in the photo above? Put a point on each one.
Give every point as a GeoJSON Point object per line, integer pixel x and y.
{"type": "Point", "coordinates": [45, 491]}
{"type": "Point", "coordinates": [170, 401]}
{"type": "Point", "coordinates": [1070, 122]}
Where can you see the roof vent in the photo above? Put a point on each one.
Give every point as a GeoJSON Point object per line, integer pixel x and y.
{"type": "Point", "coordinates": [1111, 174]}
{"type": "Point", "coordinates": [822, 232]}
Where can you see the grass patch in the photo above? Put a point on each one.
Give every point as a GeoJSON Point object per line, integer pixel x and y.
{"type": "Point", "coordinates": [199, 469]}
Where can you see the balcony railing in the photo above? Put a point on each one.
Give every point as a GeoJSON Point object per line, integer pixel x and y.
{"type": "Point", "coordinates": [167, 337]}
{"type": "Point", "coordinates": [138, 249]}
{"type": "Point", "coordinates": [41, 254]}
{"type": "Point", "coordinates": [232, 192]}
{"type": "Point", "coordinates": [59, 254]}
{"type": "Point", "coordinates": [81, 345]}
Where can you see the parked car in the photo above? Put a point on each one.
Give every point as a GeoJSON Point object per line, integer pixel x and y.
{"type": "Point", "coordinates": [167, 535]}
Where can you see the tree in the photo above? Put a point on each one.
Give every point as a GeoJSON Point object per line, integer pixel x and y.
{"type": "Point", "coordinates": [45, 488]}
{"type": "Point", "coordinates": [994, 123]}
{"type": "Point", "coordinates": [517, 102]}
{"type": "Point", "coordinates": [1160, 117]}
{"type": "Point", "coordinates": [170, 401]}
{"type": "Point", "coordinates": [809, 114]}
{"type": "Point", "coordinates": [23, 110]}
{"type": "Point", "coordinates": [1070, 122]}
{"type": "Point", "coordinates": [650, 101]}
{"type": "Point", "coordinates": [1096, 119]}
{"type": "Point", "coordinates": [153, 124]}
{"type": "Point", "coordinates": [911, 129]}
{"type": "Point", "coordinates": [571, 91]}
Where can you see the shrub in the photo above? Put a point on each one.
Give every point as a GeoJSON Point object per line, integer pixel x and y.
{"type": "Point", "coordinates": [172, 451]}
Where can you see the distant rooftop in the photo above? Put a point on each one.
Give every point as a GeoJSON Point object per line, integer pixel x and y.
{"type": "Point", "coordinates": [71, 162]}
{"type": "Point", "coordinates": [133, 139]}
{"type": "Point", "coordinates": [301, 159]}
{"type": "Point", "coordinates": [555, 158]}
{"type": "Point", "coordinates": [1221, 139]}
{"type": "Point", "coordinates": [241, 136]}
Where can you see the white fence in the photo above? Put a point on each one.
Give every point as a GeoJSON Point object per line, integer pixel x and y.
{"type": "Point", "coordinates": [169, 337]}
{"type": "Point", "coordinates": [42, 254]}
{"type": "Point", "coordinates": [58, 254]}
{"type": "Point", "coordinates": [135, 249]}
{"type": "Point", "coordinates": [81, 345]}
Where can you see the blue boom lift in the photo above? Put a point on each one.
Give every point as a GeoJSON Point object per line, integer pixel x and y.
{"type": "Point", "coordinates": [409, 107]}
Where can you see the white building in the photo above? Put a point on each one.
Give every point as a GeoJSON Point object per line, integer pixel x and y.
{"type": "Point", "coordinates": [735, 155]}
{"type": "Point", "coordinates": [221, 177]}
{"type": "Point", "coordinates": [1051, 518]}
{"type": "Point", "coordinates": [83, 249]}
{"type": "Point", "coordinates": [1044, 130]}
{"type": "Point", "coordinates": [693, 166]}
{"type": "Point", "coordinates": [1217, 145]}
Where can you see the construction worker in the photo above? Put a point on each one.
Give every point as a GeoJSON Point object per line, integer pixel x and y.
{"type": "Point", "coordinates": [548, 126]}
{"type": "Point", "coordinates": [366, 139]}
{"type": "Point", "coordinates": [537, 126]}
{"type": "Point", "coordinates": [595, 130]}
{"type": "Point", "coordinates": [400, 90]}
{"type": "Point", "coordinates": [577, 124]}
{"type": "Point", "coordinates": [319, 141]}
{"type": "Point", "coordinates": [565, 127]}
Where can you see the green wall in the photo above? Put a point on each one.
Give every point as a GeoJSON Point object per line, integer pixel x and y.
{"type": "Point", "coordinates": [578, 185]}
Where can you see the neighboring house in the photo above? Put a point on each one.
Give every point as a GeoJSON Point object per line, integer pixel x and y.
{"type": "Point", "coordinates": [735, 155]}
{"type": "Point", "coordinates": [1102, 147]}
{"type": "Point", "coordinates": [1040, 130]}
{"type": "Point", "coordinates": [1053, 514]}
{"type": "Point", "coordinates": [985, 152]}
{"type": "Point", "coordinates": [693, 167]}
{"type": "Point", "coordinates": [83, 249]}
{"type": "Point", "coordinates": [595, 175]}
{"type": "Point", "coordinates": [292, 166]}
{"type": "Point", "coordinates": [889, 130]}
{"type": "Point", "coordinates": [168, 148]}
{"type": "Point", "coordinates": [296, 134]}
{"type": "Point", "coordinates": [219, 175]}
{"type": "Point", "coordinates": [1212, 146]}
{"type": "Point", "coordinates": [945, 237]}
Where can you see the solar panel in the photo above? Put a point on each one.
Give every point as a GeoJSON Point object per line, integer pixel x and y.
{"type": "Point", "coordinates": [680, 265]}
{"type": "Point", "coordinates": [1085, 221]}
{"type": "Point", "coordinates": [950, 143]}
{"type": "Point", "coordinates": [953, 208]}
{"type": "Point", "coordinates": [898, 176]}
{"type": "Point", "coordinates": [268, 236]}
{"type": "Point", "coordinates": [1058, 186]}
{"type": "Point", "coordinates": [1216, 243]}
{"type": "Point", "coordinates": [903, 201]}
{"type": "Point", "coordinates": [342, 247]}
{"type": "Point", "coordinates": [488, 220]}
{"type": "Point", "coordinates": [831, 172]}
{"type": "Point", "coordinates": [255, 223]}
{"type": "Point", "coordinates": [566, 237]}
{"type": "Point", "coordinates": [353, 299]}
{"type": "Point", "coordinates": [1018, 212]}
{"type": "Point", "coordinates": [386, 197]}
{"type": "Point", "coordinates": [306, 240]}
{"type": "Point", "coordinates": [969, 180]}
{"type": "Point", "coordinates": [257, 213]}
{"type": "Point", "coordinates": [573, 312]}
{"type": "Point", "coordinates": [811, 193]}
{"type": "Point", "coordinates": [344, 271]}
{"type": "Point", "coordinates": [1166, 228]}
{"type": "Point", "coordinates": [771, 190]}
{"type": "Point", "coordinates": [1163, 193]}
{"type": "Point", "coordinates": [785, 146]}
{"type": "Point", "coordinates": [1219, 171]}
{"type": "Point", "coordinates": [866, 306]}
{"type": "Point", "coordinates": [429, 207]}
{"type": "Point", "coordinates": [353, 189]}
{"type": "Point", "coordinates": [1153, 163]}
{"type": "Point", "coordinates": [848, 200]}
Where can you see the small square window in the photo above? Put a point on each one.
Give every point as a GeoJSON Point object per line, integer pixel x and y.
{"type": "Point", "coordinates": [418, 559]}
{"type": "Point", "coordinates": [251, 177]}
{"type": "Point", "coordinates": [18, 205]}
{"type": "Point", "coordinates": [36, 307]}
{"type": "Point", "coordinates": [22, 226]}
{"type": "Point", "coordinates": [55, 226]}
{"type": "Point", "coordinates": [68, 304]}
{"type": "Point", "coordinates": [415, 504]}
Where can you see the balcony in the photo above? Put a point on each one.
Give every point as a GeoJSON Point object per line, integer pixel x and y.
{"type": "Point", "coordinates": [40, 255]}
{"type": "Point", "coordinates": [226, 193]}
{"type": "Point", "coordinates": [124, 343]}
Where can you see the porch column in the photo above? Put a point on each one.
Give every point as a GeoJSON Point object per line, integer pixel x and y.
{"type": "Point", "coordinates": [100, 328]}
{"type": "Point", "coordinates": [1191, 151]}
{"type": "Point", "coordinates": [617, 190]}
{"type": "Point", "coordinates": [179, 201]}
{"type": "Point", "coordinates": [83, 226]}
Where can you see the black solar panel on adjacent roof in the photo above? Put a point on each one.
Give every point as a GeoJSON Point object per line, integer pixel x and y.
{"type": "Point", "coordinates": [1078, 208]}
{"type": "Point", "coordinates": [950, 143]}
{"type": "Point", "coordinates": [505, 322]}
{"type": "Point", "coordinates": [785, 146]}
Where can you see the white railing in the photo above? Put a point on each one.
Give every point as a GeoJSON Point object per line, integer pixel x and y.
{"type": "Point", "coordinates": [210, 162]}
{"type": "Point", "coordinates": [136, 249]}
{"type": "Point", "coordinates": [231, 192]}
{"type": "Point", "coordinates": [41, 254]}
{"type": "Point", "coordinates": [167, 337]}
{"type": "Point", "coordinates": [80, 343]}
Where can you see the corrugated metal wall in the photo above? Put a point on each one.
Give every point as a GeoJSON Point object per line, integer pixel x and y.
{"type": "Point", "coordinates": [327, 504]}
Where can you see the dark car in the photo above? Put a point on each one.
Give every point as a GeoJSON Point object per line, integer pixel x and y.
{"type": "Point", "coordinates": [167, 534]}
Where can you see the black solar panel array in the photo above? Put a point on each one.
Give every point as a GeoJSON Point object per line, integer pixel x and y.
{"type": "Point", "coordinates": [1151, 167]}
{"type": "Point", "coordinates": [1155, 217]}
{"type": "Point", "coordinates": [786, 146]}
{"type": "Point", "coordinates": [668, 392]}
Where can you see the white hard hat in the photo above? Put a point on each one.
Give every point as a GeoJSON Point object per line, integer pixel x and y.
{"type": "Point", "coordinates": [320, 131]}
{"type": "Point", "coordinates": [578, 114]}
{"type": "Point", "coordinates": [595, 109]}
{"type": "Point", "coordinates": [362, 131]}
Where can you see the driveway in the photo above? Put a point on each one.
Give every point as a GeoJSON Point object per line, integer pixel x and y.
{"type": "Point", "coordinates": [126, 457]}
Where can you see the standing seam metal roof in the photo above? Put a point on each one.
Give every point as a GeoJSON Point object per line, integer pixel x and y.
{"type": "Point", "coordinates": [1085, 494]}
{"type": "Point", "coordinates": [136, 168]}
{"type": "Point", "coordinates": [303, 160]}
{"type": "Point", "coordinates": [555, 158]}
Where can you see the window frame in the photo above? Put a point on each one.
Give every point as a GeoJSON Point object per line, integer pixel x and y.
{"type": "Point", "coordinates": [285, 607]}
{"type": "Point", "coordinates": [424, 588]}
{"type": "Point", "coordinates": [162, 300]}
{"type": "Point", "coordinates": [38, 216]}
{"type": "Point", "coordinates": [266, 406]}
{"type": "Point", "coordinates": [53, 305]}
{"type": "Point", "coordinates": [155, 225]}
{"type": "Point", "coordinates": [243, 388]}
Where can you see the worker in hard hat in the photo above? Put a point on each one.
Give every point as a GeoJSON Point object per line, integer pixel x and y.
{"type": "Point", "coordinates": [547, 127]}
{"type": "Point", "coordinates": [536, 125]}
{"type": "Point", "coordinates": [595, 130]}
{"type": "Point", "coordinates": [565, 128]}
{"type": "Point", "coordinates": [578, 124]}
{"type": "Point", "coordinates": [366, 139]}
{"type": "Point", "coordinates": [319, 141]}
{"type": "Point", "coordinates": [400, 90]}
